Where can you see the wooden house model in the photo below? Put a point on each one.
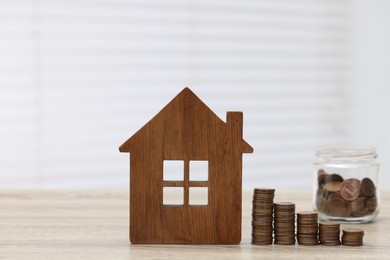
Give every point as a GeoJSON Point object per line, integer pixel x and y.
{"type": "Point", "coordinates": [186, 133]}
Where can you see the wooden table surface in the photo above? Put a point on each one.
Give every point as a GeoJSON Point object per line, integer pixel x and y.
{"type": "Point", "coordinates": [94, 225]}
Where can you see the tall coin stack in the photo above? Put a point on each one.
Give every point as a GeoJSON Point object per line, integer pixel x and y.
{"type": "Point", "coordinates": [307, 228]}
{"type": "Point", "coordinates": [352, 237]}
{"type": "Point", "coordinates": [329, 234]}
{"type": "Point", "coordinates": [284, 223]}
{"type": "Point", "coordinates": [263, 200]}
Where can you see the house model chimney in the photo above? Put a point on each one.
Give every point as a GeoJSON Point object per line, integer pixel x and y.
{"type": "Point", "coordinates": [234, 120]}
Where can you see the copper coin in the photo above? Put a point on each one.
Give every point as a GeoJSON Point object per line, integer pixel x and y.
{"type": "Point", "coordinates": [368, 187]}
{"type": "Point", "coordinates": [329, 225]}
{"type": "Point", "coordinates": [322, 175]}
{"type": "Point", "coordinates": [307, 231]}
{"type": "Point", "coordinates": [264, 191]}
{"type": "Point", "coordinates": [307, 236]}
{"type": "Point", "coordinates": [305, 224]}
{"type": "Point", "coordinates": [350, 189]}
{"type": "Point", "coordinates": [307, 214]}
{"type": "Point", "coordinates": [357, 204]}
{"type": "Point", "coordinates": [334, 195]}
{"type": "Point", "coordinates": [337, 207]}
{"type": "Point", "coordinates": [371, 203]}
{"type": "Point", "coordinates": [321, 204]}
{"type": "Point", "coordinates": [310, 243]}
{"type": "Point", "coordinates": [353, 231]}
{"type": "Point", "coordinates": [333, 186]}
{"type": "Point", "coordinates": [345, 243]}
{"type": "Point", "coordinates": [348, 213]}
{"type": "Point", "coordinates": [320, 189]}
{"type": "Point", "coordinates": [263, 207]}
{"type": "Point", "coordinates": [284, 228]}
{"type": "Point", "coordinates": [325, 193]}
{"type": "Point", "coordinates": [262, 233]}
{"type": "Point", "coordinates": [262, 243]}
{"type": "Point", "coordinates": [330, 242]}
{"type": "Point", "coordinates": [284, 206]}
{"type": "Point", "coordinates": [362, 212]}
{"type": "Point", "coordinates": [334, 178]}
{"type": "Point", "coordinates": [261, 221]}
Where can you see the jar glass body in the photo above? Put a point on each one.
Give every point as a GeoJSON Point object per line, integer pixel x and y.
{"type": "Point", "coordinates": [346, 184]}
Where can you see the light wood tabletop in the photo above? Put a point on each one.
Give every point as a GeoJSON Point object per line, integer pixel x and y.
{"type": "Point", "coordinates": [94, 225]}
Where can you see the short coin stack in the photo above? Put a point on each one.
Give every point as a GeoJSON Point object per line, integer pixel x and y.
{"type": "Point", "coordinates": [329, 234]}
{"type": "Point", "coordinates": [263, 200]}
{"type": "Point", "coordinates": [284, 223]}
{"type": "Point", "coordinates": [307, 228]}
{"type": "Point", "coordinates": [352, 237]}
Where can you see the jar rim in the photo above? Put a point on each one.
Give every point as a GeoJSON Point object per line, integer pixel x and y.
{"type": "Point", "coordinates": [347, 151]}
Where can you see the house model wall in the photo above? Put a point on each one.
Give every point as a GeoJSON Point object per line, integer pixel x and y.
{"type": "Point", "coordinates": [188, 132]}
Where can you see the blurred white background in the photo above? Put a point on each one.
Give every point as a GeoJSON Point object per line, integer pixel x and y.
{"type": "Point", "coordinates": [78, 77]}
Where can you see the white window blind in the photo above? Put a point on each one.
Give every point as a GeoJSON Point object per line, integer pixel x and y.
{"type": "Point", "coordinates": [78, 77]}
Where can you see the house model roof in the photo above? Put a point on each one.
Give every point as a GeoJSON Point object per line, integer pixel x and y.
{"type": "Point", "coordinates": [185, 113]}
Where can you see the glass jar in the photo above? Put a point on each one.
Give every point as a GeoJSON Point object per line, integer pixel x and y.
{"type": "Point", "coordinates": [345, 184]}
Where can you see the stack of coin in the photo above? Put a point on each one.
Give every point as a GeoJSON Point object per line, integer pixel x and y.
{"type": "Point", "coordinates": [307, 228]}
{"type": "Point", "coordinates": [352, 237]}
{"type": "Point", "coordinates": [329, 234]}
{"type": "Point", "coordinates": [284, 223]}
{"type": "Point", "coordinates": [263, 200]}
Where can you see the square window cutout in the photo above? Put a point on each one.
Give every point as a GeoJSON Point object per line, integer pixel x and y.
{"type": "Point", "coordinates": [173, 196]}
{"type": "Point", "coordinates": [199, 170]}
{"type": "Point", "coordinates": [173, 170]}
{"type": "Point", "coordinates": [198, 196]}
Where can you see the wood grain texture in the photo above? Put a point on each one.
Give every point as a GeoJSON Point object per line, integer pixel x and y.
{"type": "Point", "coordinates": [187, 130]}
{"type": "Point", "coordinates": [94, 225]}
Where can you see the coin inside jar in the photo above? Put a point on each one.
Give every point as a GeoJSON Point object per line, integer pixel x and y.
{"type": "Point", "coordinates": [350, 189]}
{"type": "Point", "coordinates": [371, 203]}
{"type": "Point", "coordinates": [333, 186]}
{"type": "Point", "coordinates": [321, 203]}
{"type": "Point", "coordinates": [337, 207]}
{"type": "Point", "coordinates": [322, 175]}
{"type": "Point", "coordinates": [358, 204]}
{"type": "Point", "coordinates": [368, 187]}
{"type": "Point", "coordinates": [334, 177]}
